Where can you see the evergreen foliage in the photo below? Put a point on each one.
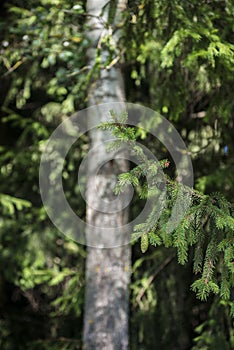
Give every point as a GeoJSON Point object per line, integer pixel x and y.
{"type": "Point", "coordinates": [208, 224]}
{"type": "Point", "coordinates": [177, 58]}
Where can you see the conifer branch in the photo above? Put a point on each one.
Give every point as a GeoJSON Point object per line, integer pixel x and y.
{"type": "Point", "coordinates": [207, 225]}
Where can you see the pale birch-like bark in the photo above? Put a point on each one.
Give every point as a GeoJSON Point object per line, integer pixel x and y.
{"type": "Point", "coordinates": [107, 270]}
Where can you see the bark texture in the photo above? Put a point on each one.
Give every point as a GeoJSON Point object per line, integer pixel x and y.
{"type": "Point", "coordinates": [107, 270]}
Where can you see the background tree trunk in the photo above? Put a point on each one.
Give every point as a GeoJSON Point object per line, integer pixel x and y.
{"type": "Point", "coordinates": [107, 270]}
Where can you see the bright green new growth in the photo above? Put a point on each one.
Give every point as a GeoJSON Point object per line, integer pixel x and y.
{"type": "Point", "coordinates": [206, 230]}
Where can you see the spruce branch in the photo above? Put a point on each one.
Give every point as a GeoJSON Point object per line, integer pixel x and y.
{"type": "Point", "coordinates": [208, 224]}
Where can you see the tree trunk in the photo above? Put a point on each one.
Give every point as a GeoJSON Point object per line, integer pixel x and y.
{"type": "Point", "coordinates": [107, 269]}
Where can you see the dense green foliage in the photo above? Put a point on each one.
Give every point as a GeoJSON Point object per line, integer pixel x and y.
{"type": "Point", "coordinates": [42, 272]}
{"type": "Point", "coordinates": [208, 223]}
{"type": "Point", "coordinates": [177, 58]}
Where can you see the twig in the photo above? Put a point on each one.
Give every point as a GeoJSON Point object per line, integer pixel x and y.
{"type": "Point", "coordinates": [80, 71]}
{"type": "Point", "coordinates": [115, 60]}
{"type": "Point", "coordinates": [152, 277]}
{"type": "Point", "coordinates": [16, 65]}
{"type": "Point", "coordinates": [60, 339]}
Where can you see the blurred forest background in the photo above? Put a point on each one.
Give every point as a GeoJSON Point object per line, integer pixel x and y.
{"type": "Point", "coordinates": [177, 58]}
